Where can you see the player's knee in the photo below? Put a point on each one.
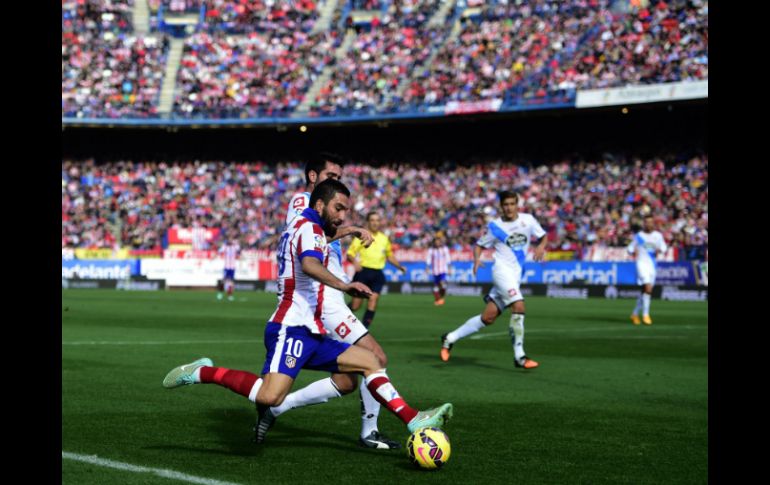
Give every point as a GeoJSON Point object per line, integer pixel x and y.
{"type": "Point", "coordinates": [271, 398]}
{"type": "Point", "coordinates": [380, 354]}
{"type": "Point", "coordinates": [345, 383]}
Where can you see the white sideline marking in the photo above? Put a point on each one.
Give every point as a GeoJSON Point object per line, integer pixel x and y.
{"type": "Point", "coordinates": [161, 472]}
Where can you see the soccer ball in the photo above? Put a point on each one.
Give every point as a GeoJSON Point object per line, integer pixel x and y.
{"type": "Point", "coordinates": [428, 448]}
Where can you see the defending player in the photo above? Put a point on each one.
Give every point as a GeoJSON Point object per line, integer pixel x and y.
{"type": "Point", "coordinates": [645, 247]}
{"type": "Point", "coordinates": [510, 235]}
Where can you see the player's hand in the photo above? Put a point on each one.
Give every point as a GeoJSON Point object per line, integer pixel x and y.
{"type": "Point", "coordinates": [476, 265]}
{"type": "Point", "coordinates": [539, 253]}
{"type": "Point", "coordinates": [358, 290]}
{"type": "Point", "coordinates": [364, 235]}
{"type": "Point", "coordinates": [358, 267]}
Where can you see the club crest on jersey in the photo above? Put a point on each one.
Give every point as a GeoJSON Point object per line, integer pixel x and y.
{"type": "Point", "coordinates": [342, 330]}
{"type": "Point", "coordinates": [320, 241]}
{"type": "Point", "coordinates": [290, 361]}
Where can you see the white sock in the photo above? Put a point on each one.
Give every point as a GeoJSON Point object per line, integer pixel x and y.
{"type": "Point", "coordinates": [255, 390]}
{"type": "Point", "coordinates": [370, 410]}
{"type": "Point", "coordinates": [646, 303]}
{"type": "Point", "coordinates": [473, 325]}
{"type": "Point", "coordinates": [638, 306]}
{"type": "Point", "coordinates": [314, 393]}
{"type": "Point", "coordinates": [516, 331]}
{"type": "Point", "coordinates": [197, 375]}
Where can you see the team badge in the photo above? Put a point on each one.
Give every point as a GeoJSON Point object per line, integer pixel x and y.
{"type": "Point", "coordinates": [320, 241]}
{"type": "Point", "coordinates": [290, 361]}
{"type": "Point", "coordinates": [342, 330]}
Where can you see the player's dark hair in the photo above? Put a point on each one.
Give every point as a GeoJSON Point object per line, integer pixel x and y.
{"type": "Point", "coordinates": [318, 162]}
{"type": "Point", "coordinates": [370, 214]}
{"type": "Point", "coordinates": [326, 191]}
{"type": "Point", "coordinates": [507, 194]}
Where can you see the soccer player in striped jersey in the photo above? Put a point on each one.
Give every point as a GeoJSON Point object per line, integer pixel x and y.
{"type": "Point", "coordinates": [510, 236]}
{"type": "Point", "coordinates": [340, 323]}
{"type": "Point", "coordinates": [438, 260]}
{"type": "Point", "coordinates": [230, 250]}
{"type": "Point", "coordinates": [295, 336]}
{"type": "Point", "coordinates": [645, 247]}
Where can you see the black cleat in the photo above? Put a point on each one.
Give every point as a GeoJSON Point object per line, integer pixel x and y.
{"type": "Point", "coordinates": [265, 421]}
{"type": "Point", "coordinates": [378, 441]}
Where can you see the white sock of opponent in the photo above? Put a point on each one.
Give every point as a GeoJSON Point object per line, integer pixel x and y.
{"type": "Point", "coordinates": [646, 303]}
{"type": "Point", "coordinates": [638, 307]}
{"type": "Point", "coordinates": [473, 325]}
{"type": "Point", "coordinates": [516, 331]}
{"type": "Point", "coordinates": [314, 393]}
{"type": "Point", "coordinates": [370, 411]}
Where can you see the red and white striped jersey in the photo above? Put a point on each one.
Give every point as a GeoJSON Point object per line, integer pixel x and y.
{"type": "Point", "coordinates": [300, 297]}
{"type": "Point", "coordinates": [230, 252]}
{"type": "Point", "coordinates": [439, 259]}
{"type": "Point", "coordinates": [198, 235]}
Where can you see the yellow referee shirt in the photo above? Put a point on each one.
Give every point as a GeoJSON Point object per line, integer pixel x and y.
{"type": "Point", "coordinates": [374, 256]}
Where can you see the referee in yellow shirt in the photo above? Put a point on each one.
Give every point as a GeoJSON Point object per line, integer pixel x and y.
{"type": "Point", "coordinates": [369, 265]}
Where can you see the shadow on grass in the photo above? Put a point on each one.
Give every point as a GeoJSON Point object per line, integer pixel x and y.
{"type": "Point", "coordinates": [234, 428]}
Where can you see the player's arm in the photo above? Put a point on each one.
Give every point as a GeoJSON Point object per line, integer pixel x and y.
{"type": "Point", "coordinates": [363, 234]}
{"type": "Point", "coordinates": [540, 248]}
{"type": "Point", "coordinates": [316, 270]}
{"type": "Point", "coordinates": [477, 249]}
{"type": "Point", "coordinates": [539, 232]}
{"type": "Point", "coordinates": [353, 250]}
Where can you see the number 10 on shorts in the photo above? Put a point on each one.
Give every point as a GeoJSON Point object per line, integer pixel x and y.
{"type": "Point", "coordinates": [293, 352]}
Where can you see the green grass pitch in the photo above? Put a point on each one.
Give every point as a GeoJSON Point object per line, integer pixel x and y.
{"type": "Point", "coordinates": [610, 403]}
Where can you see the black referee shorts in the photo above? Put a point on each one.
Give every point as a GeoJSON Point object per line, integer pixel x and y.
{"type": "Point", "coordinates": [373, 278]}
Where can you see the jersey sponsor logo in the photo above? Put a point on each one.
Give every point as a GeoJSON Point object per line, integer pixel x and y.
{"type": "Point", "coordinates": [342, 330]}
{"type": "Point", "coordinates": [299, 202]}
{"type": "Point", "coordinates": [290, 361]}
{"type": "Point", "coordinates": [516, 240]}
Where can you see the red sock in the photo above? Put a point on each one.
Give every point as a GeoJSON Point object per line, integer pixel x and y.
{"type": "Point", "coordinates": [230, 289]}
{"type": "Point", "coordinates": [384, 392]}
{"type": "Point", "coordinates": [238, 381]}
{"type": "Point", "coordinates": [436, 295]}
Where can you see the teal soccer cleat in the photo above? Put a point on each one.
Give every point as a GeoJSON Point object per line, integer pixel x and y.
{"type": "Point", "coordinates": [183, 375]}
{"type": "Point", "coordinates": [431, 418]}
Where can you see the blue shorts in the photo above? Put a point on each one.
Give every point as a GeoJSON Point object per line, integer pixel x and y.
{"type": "Point", "coordinates": [290, 349]}
{"type": "Point", "coordinates": [438, 278]}
{"type": "Point", "coordinates": [230, 274]}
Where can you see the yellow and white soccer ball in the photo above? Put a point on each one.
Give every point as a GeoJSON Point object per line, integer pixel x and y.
{"type": "Point", "coordinates": [428, 448]}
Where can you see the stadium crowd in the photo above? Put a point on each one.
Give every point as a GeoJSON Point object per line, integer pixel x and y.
{"type": "Point", "coordinates": [579, 203]}
{"type": "Point", "coordinates": [223, 75]}
{"type": "Point", "coordinates": [107, 70]}
{"type": "Point", "coordinates": [257, 58]}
